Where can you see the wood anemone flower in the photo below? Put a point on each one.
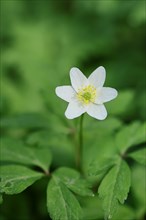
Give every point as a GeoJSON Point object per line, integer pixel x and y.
{"type": "Point", "coordinates": [86, 94]}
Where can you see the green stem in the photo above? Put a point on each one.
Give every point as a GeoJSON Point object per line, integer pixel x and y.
{"type": "Point", "coordinates": [80, 145]}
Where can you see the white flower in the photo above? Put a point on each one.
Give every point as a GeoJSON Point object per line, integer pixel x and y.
{"type": "Point", "coordinates": [86, 94]}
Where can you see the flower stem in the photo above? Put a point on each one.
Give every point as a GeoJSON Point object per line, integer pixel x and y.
{"type": "Point", "coordinates": [80, 145]}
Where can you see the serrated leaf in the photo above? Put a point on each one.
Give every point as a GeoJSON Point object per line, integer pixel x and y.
{"type": "Point", "coordinates": [114, 188]}
{"type": "Point", "coordinates": [15, 151]}
{"type": "Point", "coordinates": [101, 166]}
{"type": "Point", "coordinates": [139, 156]}
{"type": "Point", "coordinates": [15, 179]}
{"type": "Point", "coordinates": [61, 203]}
{"type": "Point", "coordinates": [72, 179]}
{"type": "Point", "coordinates": [130, 135]}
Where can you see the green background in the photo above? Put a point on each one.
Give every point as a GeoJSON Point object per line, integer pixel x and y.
{"type": "Point", "coordinates": [40, 42]}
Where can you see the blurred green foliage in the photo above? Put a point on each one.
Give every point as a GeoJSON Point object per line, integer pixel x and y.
{"type": "Point", "coordinates": [40, 42]}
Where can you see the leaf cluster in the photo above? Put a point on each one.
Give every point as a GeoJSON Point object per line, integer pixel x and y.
{"type": "Point", "coordinates": [40, 42]}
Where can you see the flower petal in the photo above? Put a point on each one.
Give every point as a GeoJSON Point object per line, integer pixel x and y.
{"type": "Point", "coordinates": [106, 94]}
{"type": "Point", "coordinates": [97, 111]}
{"type": "Point", "coordinates": [78, 80]}
{"type": "Point", "coordinates": [66, 93]}
{"type": "Point", "coordinates": [97, 78]}
{"type": "Point", "coordinates": [74, 110]}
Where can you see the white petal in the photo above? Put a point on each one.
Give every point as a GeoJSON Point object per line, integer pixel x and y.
{"type": "Point", "coordinates": [74, 110]}
{"type": "Point", "coordinates": [97, 78]}
{"type": "Point", "coordinates": [78, 80]}
{"type": "Point", "coordinates": [97, 111]}
{"type": "Point", "coordinates": [106, 94]}
{"type": "Point", "coordinates": [66, 93]}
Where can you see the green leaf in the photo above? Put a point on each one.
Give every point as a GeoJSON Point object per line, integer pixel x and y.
{"type": "Point", "coordinates": [1, 199]}
{"type": "Point", "coordinates": [92, 208]}
{"type": "Point", "coordinates": [102, 145]}
{"type": "Point", "coordinates": [15, 179]}
{"type": "Point", "coordinates": [16, 152]}
{"type": "Point", "coordinates": [124, 213]}
{"type": "Point", "coordinates": [72, 179]}
{"type": "Point", "coordinates": [115, 187]}
{"type": "Point", "coordinates": [109, 125]}
{"type": "Point", "coordinates": [139, 156]}
{"type": "Point", "coordinates": [122, 103]}
{"type": "Point", "coordinates": [61, 203]}
{"type": "Point", "coordinates": [138, 188]}
{"type": "Point", "coordinates": [25, 121]}
{"type": "Point", "coordinates": [60, 145]}
{"type": "Point", "coordinates": [130, 135]}
{"type": "Point", "coordinates": [101, 166]}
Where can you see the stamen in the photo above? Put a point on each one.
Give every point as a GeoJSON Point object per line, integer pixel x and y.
{"type": "Point", "coordinates": [87, 94]}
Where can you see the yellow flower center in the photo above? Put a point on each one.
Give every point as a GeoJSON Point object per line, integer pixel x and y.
{"type": "Point", "coordinates": [87, 94]}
